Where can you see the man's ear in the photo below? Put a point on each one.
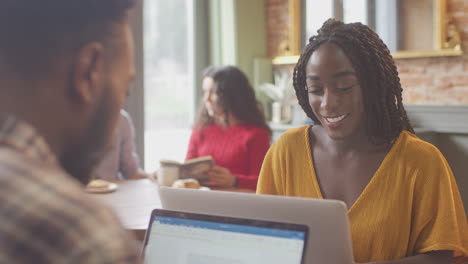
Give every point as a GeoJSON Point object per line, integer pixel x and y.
{"type": "Point", "coordinates": [88, 72]}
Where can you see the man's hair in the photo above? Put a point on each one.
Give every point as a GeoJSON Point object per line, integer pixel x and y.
{"type": "Point", "coordinates": [376, 72]}
{"type": "Point", "coordinates": [235, 95]}
{"type": "Point", "coordinates": [36, 32]}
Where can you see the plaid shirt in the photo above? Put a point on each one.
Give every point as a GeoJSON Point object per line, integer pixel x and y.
{"type": "Point", "coordinates": [45, 217]}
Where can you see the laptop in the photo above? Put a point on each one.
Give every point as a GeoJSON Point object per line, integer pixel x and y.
{"type": "Point", "coordinates": [187, 238]}
{"type": "Point", "coordinates": [329, 239]}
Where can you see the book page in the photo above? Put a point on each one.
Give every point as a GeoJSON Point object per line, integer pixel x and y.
{"type": "Point", "coordinates": [196, 169]}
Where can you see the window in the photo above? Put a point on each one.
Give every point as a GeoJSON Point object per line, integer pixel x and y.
{"type": "Point", "coordinates": [347, 11]}
{"type": "Point", "coordinates": [169, 86]}
{"type": "Point", "coordinates": [317, 12]}
{"type": "Point", "coordinates": [355, 11]}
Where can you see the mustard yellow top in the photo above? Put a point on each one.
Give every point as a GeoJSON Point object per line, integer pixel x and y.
{"type": "Point", "coordinates": [411, 205]}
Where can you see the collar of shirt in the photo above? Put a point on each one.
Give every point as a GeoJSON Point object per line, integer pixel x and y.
{"type": "Point", "coordinates": [22, 137]}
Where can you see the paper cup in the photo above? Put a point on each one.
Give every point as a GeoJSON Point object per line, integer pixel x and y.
{"type": "Point", "coordinates": [168, 175]}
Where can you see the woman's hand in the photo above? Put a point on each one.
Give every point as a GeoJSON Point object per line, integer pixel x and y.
{"type": "Point", "coordinates": [153, 176]}
{"type": "Point", "coordinates": [221, 176]}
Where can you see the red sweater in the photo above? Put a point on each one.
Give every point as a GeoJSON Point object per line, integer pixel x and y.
{"type": "Point", "coordinates": [240, 149]}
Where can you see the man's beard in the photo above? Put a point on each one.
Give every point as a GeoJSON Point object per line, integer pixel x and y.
{"type": "Point", "coordinates": [81, 161]}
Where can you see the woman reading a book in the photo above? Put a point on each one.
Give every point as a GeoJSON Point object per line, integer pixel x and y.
{"type": "Point", "coordinates": [403, 202]}
{"type": "Point", "coordinates": [231, 128]}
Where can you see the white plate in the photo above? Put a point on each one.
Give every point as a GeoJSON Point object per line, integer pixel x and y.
{"type": "Point", "coordinates": [204, 188]}
{"type": "Point", "coordinates": [109, 188]}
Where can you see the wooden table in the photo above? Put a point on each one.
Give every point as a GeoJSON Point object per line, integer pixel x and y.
{"type": "Point", "coordinates": [134, 200]}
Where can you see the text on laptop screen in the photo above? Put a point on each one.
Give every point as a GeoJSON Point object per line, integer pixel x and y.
{"type": "Point", "coordinates": [181, 240]}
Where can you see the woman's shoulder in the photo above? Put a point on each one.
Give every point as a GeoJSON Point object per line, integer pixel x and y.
{"type": "Point", "coordinates": [204, 129]}
{"type": "Point", "coordinates": [252, 129]}
{"type": "Point", "coordinates": [200, 133]}
{"type": "Point", "coordinates": [293, 137]}
{"type": "Point", "coordinates": [414, 147]}
{"type": "Point", "coordinates": [413, 154]}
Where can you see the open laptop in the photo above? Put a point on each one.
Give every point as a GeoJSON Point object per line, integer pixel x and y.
{"type": "Point", "coordinates": [186, 238]}
{"type": "Point", "coordinates": [329, 240]}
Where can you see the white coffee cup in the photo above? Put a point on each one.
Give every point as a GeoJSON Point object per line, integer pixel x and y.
{"type": "Point", "coordinates": [167, 175]}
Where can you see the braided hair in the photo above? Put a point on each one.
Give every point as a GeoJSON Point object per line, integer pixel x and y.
{"type": "Point", "coordinates": [235, 95]}
{"type": "Point", "coordinates": [375, 70]}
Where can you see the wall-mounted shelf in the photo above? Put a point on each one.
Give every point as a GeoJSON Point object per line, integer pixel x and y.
{"type": "Point", "coordinates": [285, 60]}
{"type": "Point", "coordinates": [426, 53]}
{"type": "Point", "coordinates": [292, 60]}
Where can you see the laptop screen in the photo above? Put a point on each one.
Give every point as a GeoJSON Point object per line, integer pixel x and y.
{"type": "Point", "coordinates": [186, 238]}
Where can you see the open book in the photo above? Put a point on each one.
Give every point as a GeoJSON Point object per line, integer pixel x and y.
{"type": "Point", "coordinates": [193, 168]}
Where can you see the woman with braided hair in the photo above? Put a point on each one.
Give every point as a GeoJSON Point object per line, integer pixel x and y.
{"type": "Point", "coordinates": [404, 205]}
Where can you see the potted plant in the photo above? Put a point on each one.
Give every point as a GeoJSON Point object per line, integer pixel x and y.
{"type": "Point", "coordinates": [281, 95]}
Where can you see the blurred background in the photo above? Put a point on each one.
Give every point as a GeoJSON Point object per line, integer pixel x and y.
{"type": "Point", "coordinates": [177, 39]}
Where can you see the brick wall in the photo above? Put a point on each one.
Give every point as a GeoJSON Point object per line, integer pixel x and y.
{"type": "Point", "coordinates": [442, 81]}
{"type": "Point", "coordinates": [277, 24]}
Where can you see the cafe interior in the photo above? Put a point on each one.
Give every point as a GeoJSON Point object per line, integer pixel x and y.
{"type": "Point", "coordinates": [175, 40]}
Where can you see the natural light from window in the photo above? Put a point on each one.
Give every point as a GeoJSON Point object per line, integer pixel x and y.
{"type": "Point", "coordinates": [317, 12]}
{"type": "Point", "coordinates": [355, 11]}
{"type": "Point", "coordinates": [169, 88]}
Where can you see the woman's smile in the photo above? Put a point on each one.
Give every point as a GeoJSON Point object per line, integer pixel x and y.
{"type": "Point", "coordinates": [335, 119]}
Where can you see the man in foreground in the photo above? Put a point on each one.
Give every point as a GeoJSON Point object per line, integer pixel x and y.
{"type": "Point", "coordinates": [65, 69]}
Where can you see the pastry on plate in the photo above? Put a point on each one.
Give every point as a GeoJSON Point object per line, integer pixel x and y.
{"type": "Point", "coordinates": [186, 183]}
{"type": "Point", "coordinates": [98, 184]}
